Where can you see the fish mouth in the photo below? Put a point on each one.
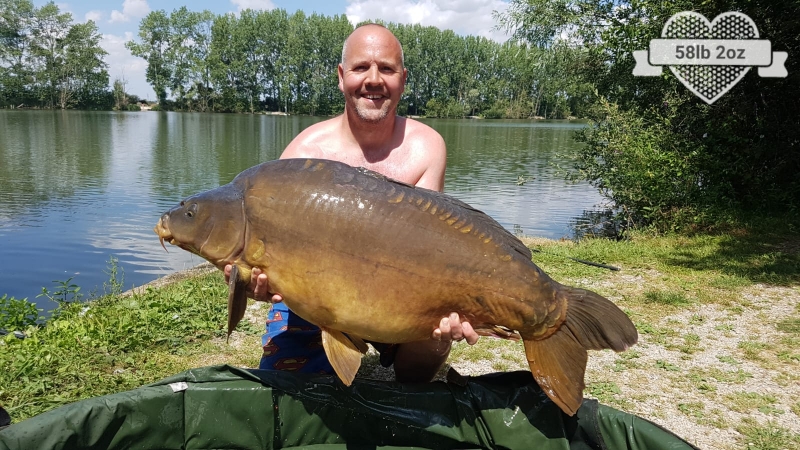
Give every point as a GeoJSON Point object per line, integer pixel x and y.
{"type": "Point", "coordinates": [163, 234]}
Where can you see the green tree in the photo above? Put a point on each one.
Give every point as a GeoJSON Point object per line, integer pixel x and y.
{"type": "Point", "coordinates": [16, 20]}
{"type": "Point", "coordinates": [120, 97]}
{"type": "Point", "coordinates": [237, 67]}
{"type": "Point", "coordinates": [48, 32]}
{"type": "Point", "coordinates": [188, 51]}
{"type": "Point", "coordinates": [82, 75]}
{"type": "Point", "coordinates": [155, 34]}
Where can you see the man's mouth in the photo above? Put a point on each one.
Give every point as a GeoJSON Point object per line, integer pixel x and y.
{"type": "Point", "coordinates": [373, 96]}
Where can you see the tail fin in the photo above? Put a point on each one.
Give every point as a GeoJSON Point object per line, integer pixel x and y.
{"type": "Point", "coordinates": [558, 362]}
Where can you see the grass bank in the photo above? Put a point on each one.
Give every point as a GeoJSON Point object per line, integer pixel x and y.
{"type": "Point", "coordinates": [718, 360]}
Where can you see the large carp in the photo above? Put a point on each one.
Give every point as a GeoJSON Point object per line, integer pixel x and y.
{"type": "Point", "coordinates": [365, 257]}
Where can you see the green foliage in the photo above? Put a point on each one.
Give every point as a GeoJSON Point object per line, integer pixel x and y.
{"type": "Point", "coordinates": [17, 314]}
{"type": "Point", "coordinates": [47, 61]}
{"type": "Point", "coordinates": [133, 107]}
{"type": "Point", "coordinates": [756, 436]}
{"type": "Point", "coordinates": [450, 109]}
{"type": "Point", "coordinates": [116, 276]}
{"type": "Point", "coordinates": [272, 60]}
{"type": "Point", "coordinates": [666, 298]}
{"type": "Point", "coordinates": [108, 345]}
{"type": "Point", "coordinates": [120, 97]}
{"type": "Point", "coordinates": [65, 292]}
{"type": "Point", "coordinates": [659, 153]}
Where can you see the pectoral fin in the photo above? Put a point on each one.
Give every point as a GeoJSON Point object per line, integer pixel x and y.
{"type": "Point", "coordinates": [343, 354]}
{"type": "Point", "coordinates": [237, 299]}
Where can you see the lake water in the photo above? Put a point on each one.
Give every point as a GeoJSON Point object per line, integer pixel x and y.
{"type": "Point", "coordinates": [77, 188]}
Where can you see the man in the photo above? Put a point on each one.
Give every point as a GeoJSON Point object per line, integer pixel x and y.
{"type": "Point", "coordinates": [368, 134]}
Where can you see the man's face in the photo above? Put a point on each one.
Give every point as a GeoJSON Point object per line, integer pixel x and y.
{"type": "Point", "coordinates": [372, 76]}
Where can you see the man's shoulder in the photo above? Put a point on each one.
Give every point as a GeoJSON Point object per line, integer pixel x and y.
{"type": "Point", "coordinates": [320, 130]}
{"type": "Point", "coordinates": [418, 133]}
{"type": "Point", "coordinates": [307, 143]}
{"type": "Point", "coordinates": [415, 126]}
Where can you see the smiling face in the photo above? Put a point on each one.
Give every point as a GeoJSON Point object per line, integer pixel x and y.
{"type": "Point", "coordinates": [371, 75]}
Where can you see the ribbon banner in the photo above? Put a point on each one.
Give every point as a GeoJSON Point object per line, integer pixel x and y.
{"type": "Point", "coordinates": [709, 58]}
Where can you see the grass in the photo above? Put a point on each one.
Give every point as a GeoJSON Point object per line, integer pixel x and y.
{"type": "Point", "coordinates": [756, 436]}
{"type": "Point", "coordinates": [687, 295]}
{"type": "Point", "coordinates": [117, 343]}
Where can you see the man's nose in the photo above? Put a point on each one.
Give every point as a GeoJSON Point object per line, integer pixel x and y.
{"type": "Point", "coordinates": [373, 75]}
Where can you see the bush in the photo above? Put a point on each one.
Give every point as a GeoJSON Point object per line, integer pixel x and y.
{"type": "Point", "coordinates": [647, 167]}
{"type": "Point", "coordinates": [17, 314]}
{"type": "Point", "coordinates": [451, 109]}
{"type": "Point", "coordinates": [497, 111]}
{"type": "Point", "coordinates": [134, 107]}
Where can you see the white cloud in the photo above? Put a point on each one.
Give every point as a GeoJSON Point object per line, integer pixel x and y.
{"type": "Point", "coordinates": [95, 16]}
{"type": "Point", "coordinates": [465, 17]}
{"type": "Point", "coordinates": [131, 9]}
{"type": "Point", "coordinates": [123, 65]}
{"type": "Point", "coordinates": [241, 5]}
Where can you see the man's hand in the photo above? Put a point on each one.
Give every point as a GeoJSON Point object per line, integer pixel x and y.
{"type": "Point", "coordinates": [453, 329]}
{"type": "Point", "coordinates": [258, 288]}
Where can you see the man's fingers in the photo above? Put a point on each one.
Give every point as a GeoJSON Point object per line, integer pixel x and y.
{"type": "Point", "coordinates": [456, 331]}
{"type": "Point", "coordinates": [453, 329]}
{"type": "Point", "coordinates": [469, 333]}
{"type": "Point", "coordinates": [443, 332]}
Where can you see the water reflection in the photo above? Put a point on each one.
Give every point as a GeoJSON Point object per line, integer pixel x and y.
{"type": "Point", "coordinates": [487, 158]}
{"type": "Point", "coordinates": [77, 188]}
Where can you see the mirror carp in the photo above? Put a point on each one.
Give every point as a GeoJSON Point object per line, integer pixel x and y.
{"type": "Point", "coordinates": [367, 258]}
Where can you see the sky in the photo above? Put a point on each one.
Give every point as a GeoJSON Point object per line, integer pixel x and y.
{"type": "Point", "coordinates": [118, 21]}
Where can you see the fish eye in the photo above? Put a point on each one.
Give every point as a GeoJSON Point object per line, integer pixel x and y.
{"type": "Point", "coordinates": [191, 210]}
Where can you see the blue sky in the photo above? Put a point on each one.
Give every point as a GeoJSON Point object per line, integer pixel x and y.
{"type": "Point", "coordinates": [118, 21]}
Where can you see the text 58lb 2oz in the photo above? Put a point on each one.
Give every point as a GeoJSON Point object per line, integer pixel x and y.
{"type": "Point", "coordinates": [710, 52]}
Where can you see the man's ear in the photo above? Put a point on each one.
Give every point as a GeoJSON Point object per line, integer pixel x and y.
{"type": "Point", "coordinates": [340, 72]}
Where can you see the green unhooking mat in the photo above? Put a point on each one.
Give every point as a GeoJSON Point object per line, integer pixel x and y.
{"type": "Point", "coordinates": [224, 407]}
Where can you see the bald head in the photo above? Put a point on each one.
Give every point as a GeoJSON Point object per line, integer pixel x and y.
{"type": "Point", "coordinates": [372, 32]}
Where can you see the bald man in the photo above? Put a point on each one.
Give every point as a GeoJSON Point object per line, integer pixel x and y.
{"type": "Point", "coordinates": [368, 134]}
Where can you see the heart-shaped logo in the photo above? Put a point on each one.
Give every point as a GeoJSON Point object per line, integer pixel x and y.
{"type": "Point", "coordinates": [709, 82]}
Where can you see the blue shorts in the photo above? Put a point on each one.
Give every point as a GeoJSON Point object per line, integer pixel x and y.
{"type": "Point", "coordinates": [292, 344]}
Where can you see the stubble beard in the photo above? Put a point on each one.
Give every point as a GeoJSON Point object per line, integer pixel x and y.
{"type": "Point", "coordinates": [371, 115]}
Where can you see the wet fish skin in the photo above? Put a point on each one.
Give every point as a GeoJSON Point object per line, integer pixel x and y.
{"type": "Point", "coordinates": [368, 258]}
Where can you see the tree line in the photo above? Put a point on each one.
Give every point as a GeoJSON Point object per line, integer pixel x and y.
{"type": "Point", "coordinates": [660, 154]}
{"type": "Point", "coordinates": [275, 61]}
{"type": "Point", "coordinates": [47, 61]}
